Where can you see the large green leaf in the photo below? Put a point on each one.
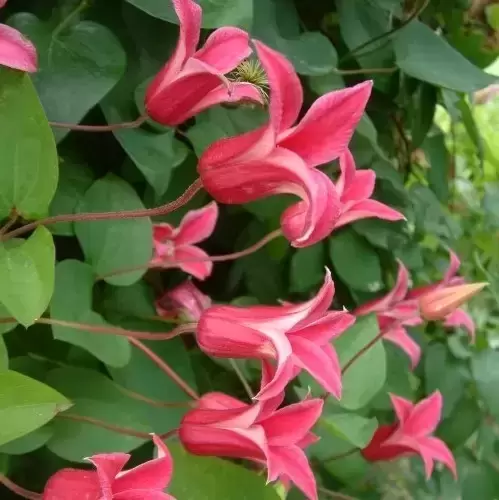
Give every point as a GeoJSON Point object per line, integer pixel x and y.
{"type": "Point", "coordinates": [28, 159]}
{"type": "Point", "coordinates": [355, 429]}
{"type": "Point", "coordinates": [25, 405]}
{"type": "Point", "coordinates": [104, 242]}
{"type": "Point", "coordinates": [72, 301]}
{"type": "Point", "coordinates": [27, 276]}
{"type": "Point", "coordinates": [307, 268]}
{"type": "Point", "coordinates": [355, 261]}
{"type": "Point", "coordinates": [74, 180]}
{"type": "Point", "coordinates": [78, 66]}
{"type": "Point", "coordinates": [366, 376]}
{"type": "Point", "coordinates": [203, 478]}
{"type": "Point", "coordinates": [276, 23]}
{"type": "Point", "coordinates": [485, 368]}
{"type": "Point", "coordinates": [215, 13]}
{"type": "Point", "coordinates": [423, 54]}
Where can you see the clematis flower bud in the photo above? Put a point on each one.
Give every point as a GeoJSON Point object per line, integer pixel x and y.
{"type": "Point", "coordinates": [412, 435]}
{"type": "Point", "coordinates": [438, 304]}
{"type": "Point", "coordinates": [185, 302]}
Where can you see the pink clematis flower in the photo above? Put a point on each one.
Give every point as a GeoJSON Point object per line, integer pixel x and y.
{"type": "Point", "coordinates": [16, 52]}
{"type": "Point", "coordinates": [281, 157]}
{"type": "Point", "coordinates": [191, 81]}
{"type": "Point", "coordinates": [109, 482]}
{"type": "Point", "coordinates": [175, 247]}
{"type": "Point", "coordinates": [355, 188]}
{"type": "Point", "coordinates": [394, 313]}
{"type": "Point", "coordinates": [293, 337]}
{"type": "Point", "coordinates": [412, 434]}
{"type": "Point", "coordinates": [458, 317]}
{"type": "Point", "coordinates": [224, 426]}
{"type": "Point", "coordinates": [185, 302]}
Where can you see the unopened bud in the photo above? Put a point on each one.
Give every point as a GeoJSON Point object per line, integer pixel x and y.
{"type": "Point", "coordinates": [440, 303]}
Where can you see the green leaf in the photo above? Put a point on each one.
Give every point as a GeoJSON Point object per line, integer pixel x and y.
{"type": "Point", "coordinates": [103, 242]}
{"type": "Point", "coordinates": [4, 355]}
{"type": "Point", "coordinates": [78, 66]}
{"type": "Point", "coordinates": [155, 154]}
{"type": "Point", "coordinates": [27, 276]}
{"type": "Point", "coordinates": [366, 376]}
{"type": "Point", "coordinates": [424, 105]}
{"type": "Point", "coordinates": [355, 429]}
{"type": "Point", "coordinates": [445, 374]}
{"type": "Point", "coordinates": [355, 261]}
{"type": "Point", "coordinates": [206, 478]}
{"type": "Point", "coordinates": [74, 180]}
{"type": "Point", "coordinates": [307, 268]}
{"type": "Point", "coordinates": [26, 405]}
{"type": "Point", "coordinates": [462, 422]}
{"type": "Point", "coordinates": [74, 303]}
{"type": "Point", "coordinates": [215, 14]}
{"type": "Point", "coordinates": [440, 161]}
{"type": "Point", "coordinates": [485, 369]}
{"type": "Point", "coordinates": [29, 442]}
{"type": "Point", "coordinates": [28, 163]}
{"type": "Point", "coordinates": [492, 13]}
{"type": "Point", "coordinates": [423, 54]}
{"type": "Point", "coordinates": [276, 23]}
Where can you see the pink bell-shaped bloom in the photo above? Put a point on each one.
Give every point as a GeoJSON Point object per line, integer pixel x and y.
{"type": "Point", "coordinates": [175, 247]}
{"type": "Point", "coordinates": [394, 312]}
{"type": "Point", "coordinates": [355, 188]}
{"type": "Point", "coordinates": [412, 434]}
{"type": "Point", "coordinates": [224, 426]}
{"type": "Point", "coordinates": [192, 81]}
{"type": "Point", "coordinates": [281, 157]}
{"type": "Point", "coordinates": [292, 336]}
{"type": "Point", "coordinates": [456, 318]}
{"type": "Point", "coordinates": [110, 482]}
{"type": "Point", "coordinates": [16, 52]}
{"type": "Point", "coordinates": [185, 302]}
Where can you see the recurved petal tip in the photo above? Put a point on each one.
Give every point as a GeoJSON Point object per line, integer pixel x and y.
{"type": "Point", "coordinates": [438, 304]}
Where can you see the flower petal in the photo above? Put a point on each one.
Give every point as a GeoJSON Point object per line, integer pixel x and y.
{"type": "Point", "coordinates": [400, 337]}
{"type": "Point", "coordinates": [454, 265]}
{"type": "Point", "coordinates": [286, 93]}
{"type": "Point", "coordinates": [68, 484]}
{"type": "Point", "coordinates": [189, 14]}
{"type": "Point", "coordinates": [224, 49]}
{"type": "Point", "coordinates": [325, 131]}
{"type": "Point", "coordinates": [347, 172]}
{"type": "Point", "coordinates": [193, 260]}
{"type": "Point", "coordinates": [313, 219]}
{"type": "Point", "coordinates": [324, 367]}
{"type": "Point", "coordinates": [197, 225]}
{"type": "Point", "coordinates": [16, 51]}
{"type": "Point", "coordinates": [142, 495]}
{"type": "Point", "coordinates": [425, 416]}
{"type": "Point", "coordinates": [292, 463]}
{"type": "Point", "coordinates": [219, 401]}
{"type": "Point", "coordinates": [327, 328]}
{"type": "Point", "coordinates": [461, 318]}
{"type": "Point", "coordinates": [436, 449]}
{"type": "Point", "coordinates": [108, 466]}
{"type": "Point", "coordinates": [368, 208]}
{"type": "Point", "coordinates": [402, 407]}
{"type": "Point", "coordinates": [152, 475]}
{"type": "Point", "coordinates": [291, 424]}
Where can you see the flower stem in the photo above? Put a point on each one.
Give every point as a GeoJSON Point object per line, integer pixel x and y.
{"type": "Point", "coordinates": [332, 458]}
{"type": "Point", "coordinates": [114, 330]}
{"type": "Point", "coordinates": [184, 198]}
{"type": "Point", "coordinates": [30, 495]}
{"type": "Point", "coordinates": [214, 258]}
{"type": "Point", "coordinates": [101, 128]}
{"type": "Point", "coordinates": [335, 494]}
{"type": "Point", "coordinates": [168, 434]}
{"type": "Point", "coordinates": [240, 375]}
{"type": "Point", "coordinates": [12, 220]}
{"type": "Point", "coordinates": [125, 431]}
{"type": "Point", "coordinates": [166, 369]}
{"type": "Point", "coordinates": [362, 351]}
{"type": "Point", "coordinates": [363, 71]}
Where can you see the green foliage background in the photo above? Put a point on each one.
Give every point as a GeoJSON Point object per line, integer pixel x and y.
{"type": "Point", "coordinates": [443, 174]}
